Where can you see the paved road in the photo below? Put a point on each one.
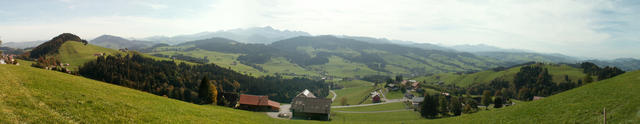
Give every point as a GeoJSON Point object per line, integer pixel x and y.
{"type": "Point", "coordinates": [334, 95]}
{"type": "Point", "coordinates": [399, 110]}
{"type": "Point", "coordinates": [388, 101]}
{"type": "Point", "coordinates": [283, 109]}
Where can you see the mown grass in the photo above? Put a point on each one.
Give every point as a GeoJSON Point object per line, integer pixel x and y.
{"type": "Point", "coordinates": [31, 95]}
{"type": "Point", "coordinates": [354, 92]}
{"type": "Point", "coordinates": [76, 53]}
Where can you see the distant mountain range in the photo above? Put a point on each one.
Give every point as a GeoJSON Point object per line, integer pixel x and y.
{"type": "Point", "coordinates": [249, 35]}
{"type": "Point", "coordinates": [115, 42]}
{"type": "Point", "coordinates": [23, 45]}
{"type": "Point", "coordinates": [268, 35]}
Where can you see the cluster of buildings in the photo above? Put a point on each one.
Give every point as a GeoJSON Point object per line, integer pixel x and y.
{"type": "Point", "coordinates": [304, 106]}
{"type": "Point", "coordinates": [8, 59]}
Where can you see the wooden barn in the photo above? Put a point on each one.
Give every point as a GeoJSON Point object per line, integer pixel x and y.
{"type": "Point", "coordinates": [306, 106]}
{"type": "Point", "coordinates": [257, 103]}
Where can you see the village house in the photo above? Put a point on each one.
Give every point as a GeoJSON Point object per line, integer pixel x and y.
{"type": "Point", "coordinates": [537, 98]}
{"type": "Point", "coordinates": [257, 103]}
{"type": "Point", "coordinates": [375, 97]}
{"type": "Point", "coordinates": [416, 102]}
{"type": "Point", "coordinates": [306, 106]}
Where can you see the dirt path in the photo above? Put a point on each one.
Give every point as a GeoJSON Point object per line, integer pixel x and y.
{"type": "Point", "coordinates": [283, 109]}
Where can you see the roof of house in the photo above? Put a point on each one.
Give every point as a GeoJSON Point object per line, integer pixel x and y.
{"type": "Point", "coordinates": [306, 93]}
{"type": "Point", "coordinates": [417, 99]}
{"type": "Point", "coordinates": [537, 97]}
{"type": "Point", "coordinates": [311, 105]}
{"type": "Point", "coordinates": [415, 84]}
{"type": "Point", "coordinates": [257, 100]}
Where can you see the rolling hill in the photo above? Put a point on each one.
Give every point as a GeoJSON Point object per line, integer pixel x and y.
{"type": "Point", "coordinates": [35, 95]}
{"type": "Point", "coordinates": [32, 95]}
{"type": "Point", "coordinates": [115, 42]}
{"type": "Point", "coordinates": [557, 71]}
{"type": "Point", "coordinates": [330, 56]}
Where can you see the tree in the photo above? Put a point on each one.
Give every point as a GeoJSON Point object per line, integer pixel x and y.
{"type": "Point", "coordinates": [524, 94]}
{"type": "Point", "coordinates": [588, 78]}
{"type": "Point", "coordinates": [486, 98]}
{"type": "Point", "coordinates": [399, 78]}
{"type": "Point", "coordinates": [343, 101]}
{"type": "Point", "coordinates": [429, 107]}
{"type": "Point", "coordinates": [443, 105]}
{"type": "Point", "coordinates": [456, 106]}
{"type": "Point", "coordinates": [497, 103]}
{"type": "Point", "coordinates": [467, 109]}
{"type": "Point", "coordinates": [208, 93]}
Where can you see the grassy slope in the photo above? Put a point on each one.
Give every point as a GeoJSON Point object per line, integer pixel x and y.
{"type": "Point", "coordinates": [581, 105]}
{"type": "Point", "coordinates": [218, 58]}
{"type": "Point", "coordinates": [557, 71]}
{"type": "Point", "coordinates": [354, 91]}
{"type": "Point", "coordinates": [35, 95]}
{"type": "Point", "coordinates": [76, 54]}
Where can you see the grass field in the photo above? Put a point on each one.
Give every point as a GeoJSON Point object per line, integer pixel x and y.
{"type": "Point", "coordinates": [354, 91]}
{"type": "Point", "coordinates": [381, 107]}
{"type": "Point", "coordinates": [76, 53]}
{"type": "Point", "coordinates": [31, 95]}
{"type": "Point", "coordinates": [557, 71]}
{"type": "Point", "coordinates": [227, 60]}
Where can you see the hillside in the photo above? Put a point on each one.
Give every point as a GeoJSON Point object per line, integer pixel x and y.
{"type": "Point", "coordinates": [580, 105]}
{"type": "Point", "coordinates": [31, 95]}
{"type": "Point", "coordinates": [557, 71]}
{"type": "Point", "coordinates": [330, 56]}
{"type": "Point", "coordinates": [115, 42]}
{"type": "Point", "coordinates": [76, 53]}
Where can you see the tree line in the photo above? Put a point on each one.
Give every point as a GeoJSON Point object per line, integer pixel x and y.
{"type": "Point", "coordinates": [183, 81]}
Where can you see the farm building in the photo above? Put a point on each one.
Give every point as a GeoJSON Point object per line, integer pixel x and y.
{"type": "Point", "coordinates": [306, 106]}
{"type": "Point", "coordinates": [257, 103]}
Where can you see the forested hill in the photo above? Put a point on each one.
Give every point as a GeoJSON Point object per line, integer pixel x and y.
{"type": "Point", "coordinates": [329, 56]}
{"type": "Point", "coordinates": [182, 81]}
{"type": "Point", "coordinates": [52, 45]}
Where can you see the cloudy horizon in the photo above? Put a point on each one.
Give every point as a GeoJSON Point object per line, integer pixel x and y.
{"type": "Point", "coordinates": [597, 29]}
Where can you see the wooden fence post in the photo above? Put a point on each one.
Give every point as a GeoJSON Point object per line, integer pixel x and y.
{"type": "Point", "coordinates": [604, 113]}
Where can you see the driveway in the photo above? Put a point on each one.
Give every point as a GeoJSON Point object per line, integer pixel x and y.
{"type": "Point", "coordinates": [284, 108]}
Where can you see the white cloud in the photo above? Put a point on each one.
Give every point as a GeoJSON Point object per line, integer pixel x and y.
{"type": "Point", "coordinates": [564, 26]}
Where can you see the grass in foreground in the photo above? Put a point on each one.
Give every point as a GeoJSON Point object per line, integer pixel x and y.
{"type": "Point", "coordinates": [31, 95]}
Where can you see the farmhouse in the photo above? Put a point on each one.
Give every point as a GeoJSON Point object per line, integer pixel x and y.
{"type": "Point", "coordinates": [306, 106]}
{"type": "Point", "coordinates": [375, 97]}
{"type": "Point", "coordinates": [257, 103]}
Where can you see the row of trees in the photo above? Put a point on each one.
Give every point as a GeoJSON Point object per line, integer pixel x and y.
{"type": "Point", "coordinates": [183, 82]}
{"type": "Point", "coordinates": [435, 106]}
{"type": "Point", "coordinates": [203, 60]}
{"type": "Point", "coordinates": [535, 80]}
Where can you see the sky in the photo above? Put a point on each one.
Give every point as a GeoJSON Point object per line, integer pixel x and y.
{"type": "Point", "coordinates": [602, 29]}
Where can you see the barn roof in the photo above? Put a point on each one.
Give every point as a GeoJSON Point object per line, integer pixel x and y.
{"type": "Point", "coordinates": [257, 100]}
{"type": "Point", "coordinates": [306, 93]}
{"type": "Point", "coordinates": [311, 105]}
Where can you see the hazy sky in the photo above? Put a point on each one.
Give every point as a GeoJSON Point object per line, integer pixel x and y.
{"type": "Point", "coordinates": [587, 28]}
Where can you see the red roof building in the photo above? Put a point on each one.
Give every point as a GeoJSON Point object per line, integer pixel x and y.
{"type": "Point", "coordinates": [258, 103]}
